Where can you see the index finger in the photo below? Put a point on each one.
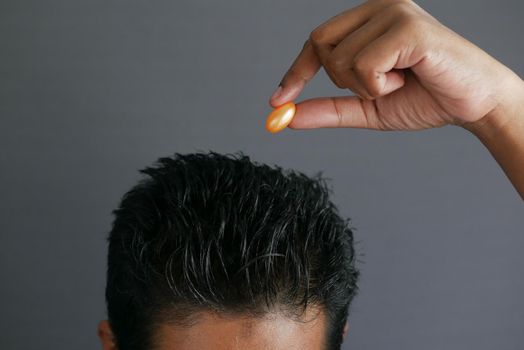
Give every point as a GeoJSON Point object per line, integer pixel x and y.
{"type": "Point", "coordinates": [303, 69]}
{"type": "Point", "coordinates": [309, 61]}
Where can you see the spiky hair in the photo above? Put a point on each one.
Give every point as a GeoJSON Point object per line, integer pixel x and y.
{"type": "Point", "coordinates": [216, 232]}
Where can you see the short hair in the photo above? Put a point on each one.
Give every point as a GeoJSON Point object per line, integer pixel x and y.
{"type": "Point", "coordinates": [213, 232]}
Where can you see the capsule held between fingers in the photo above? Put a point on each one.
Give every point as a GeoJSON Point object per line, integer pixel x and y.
{"type": "Point", "coordinates": [280, 117]}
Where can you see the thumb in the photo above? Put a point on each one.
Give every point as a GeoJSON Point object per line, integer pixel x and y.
{"type": "Point", "coordinates": [334, 112]}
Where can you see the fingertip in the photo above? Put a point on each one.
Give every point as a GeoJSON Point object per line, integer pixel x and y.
{"type": "Point", "coordinates": [283, 94]}
{"type": "Point", "coordinates": [275, 96]}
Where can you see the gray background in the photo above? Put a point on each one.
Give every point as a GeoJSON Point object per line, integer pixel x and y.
{"type": "Point", "coordinates": [91, 91]}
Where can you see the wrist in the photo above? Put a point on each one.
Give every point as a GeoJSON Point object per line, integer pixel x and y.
{"type": "Point", "coordinates": [506, 118]}
{"type": "Point", "coordinates": [502, 132]}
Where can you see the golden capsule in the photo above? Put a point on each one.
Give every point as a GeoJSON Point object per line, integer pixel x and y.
{"type": "Point", "coordinates": [280, 117]}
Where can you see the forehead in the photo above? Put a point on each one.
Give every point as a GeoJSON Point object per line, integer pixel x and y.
{"type": "Point", "coordinates": [270, 332]}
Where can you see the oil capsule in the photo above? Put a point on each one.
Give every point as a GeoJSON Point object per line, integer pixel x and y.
{"type": "Point", "coordinates": [280, 117]}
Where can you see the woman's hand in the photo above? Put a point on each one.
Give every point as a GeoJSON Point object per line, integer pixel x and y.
{"type": "Point", "coordinates": [409, 71]}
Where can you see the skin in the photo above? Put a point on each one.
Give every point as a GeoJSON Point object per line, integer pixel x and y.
{"type": "Point", "coordinates": [212, 331]}
{"type": "Point", "coordinates": [409, 72]}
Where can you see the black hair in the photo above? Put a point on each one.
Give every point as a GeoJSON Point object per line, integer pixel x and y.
{"type": "Point", "coordinates": [212, 232]}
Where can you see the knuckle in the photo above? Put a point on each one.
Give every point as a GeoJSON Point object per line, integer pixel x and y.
{"type": "Point", "coordinates": [401, 6]}
{"type": "Point", "coordinates": [367, 79]}
{"type": "Point", "coordinates": [413, 24]}
{"type": "Point", "coordinates": [374, 89]}
{"type": "Point", "coordinates": [336, 68]}
{"type": "Point", "coordinates": [371, 84]}
{"type": "Point", "coordinates": [317, 36]}
{"type": "Point", "coordinates": [359, 64]}
{"type": "Point", "coordinates": [337, 64]}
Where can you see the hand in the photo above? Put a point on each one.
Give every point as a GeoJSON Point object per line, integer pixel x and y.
{"type": "Point", "coordinates": [409, 71]}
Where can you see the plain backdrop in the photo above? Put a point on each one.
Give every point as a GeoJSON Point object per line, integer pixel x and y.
{"type": "Point", "coordinates": [92, 91]}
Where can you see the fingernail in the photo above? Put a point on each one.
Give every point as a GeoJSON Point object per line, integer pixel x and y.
{"type": "Point", "coordinates": [277, 93]}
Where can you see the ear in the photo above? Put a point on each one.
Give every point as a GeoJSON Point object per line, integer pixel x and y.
{"type": "Point", "coordinates": [106, 336]}
{"type": "Point", "coordinates": [346, 330]}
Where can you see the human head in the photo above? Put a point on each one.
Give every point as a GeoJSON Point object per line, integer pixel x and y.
{"type": "Point", "coordinates": [207, 238]}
